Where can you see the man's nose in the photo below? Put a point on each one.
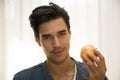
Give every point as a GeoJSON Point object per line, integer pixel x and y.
{"type": "Point", "coordinates": [56, 42]}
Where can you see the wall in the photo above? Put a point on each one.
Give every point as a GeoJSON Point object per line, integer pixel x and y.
{"type": "Point", "coordinates": [2, 58]}
{"type": "Point", "coordinates": [109, 31]}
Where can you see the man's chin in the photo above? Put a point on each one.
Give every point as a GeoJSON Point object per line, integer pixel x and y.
{"type": "Point", "coordinates": [58, 60]}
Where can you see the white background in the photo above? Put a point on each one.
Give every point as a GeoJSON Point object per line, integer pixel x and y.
{"type": "Point", "coordinates": [94, 22]}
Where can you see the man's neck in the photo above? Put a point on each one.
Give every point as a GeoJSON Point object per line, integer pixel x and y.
{"type": "Point", "coordinates": [62, 68]}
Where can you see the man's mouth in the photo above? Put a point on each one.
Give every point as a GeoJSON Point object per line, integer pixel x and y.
{"type": "Point", "coordinates": [58, 52]}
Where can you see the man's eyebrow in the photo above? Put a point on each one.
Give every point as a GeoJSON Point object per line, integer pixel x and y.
{"type": "Point", "coordinates": [62, 31]}
{"type": "Point", "coordinates": [45, 35]}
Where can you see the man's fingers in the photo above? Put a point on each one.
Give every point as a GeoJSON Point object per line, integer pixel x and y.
{"type": "Point", "coordinates": [101, 61]}
{"type": "Point", "coordinates": [89, 64]}
{"type": "Point", "coordinates": [88, 67]}
{"type": "Point", "coordinates": [99, 55]}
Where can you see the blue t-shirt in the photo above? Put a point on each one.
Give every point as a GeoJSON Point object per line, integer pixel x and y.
{"type": "Point", "coordinates": [40, 72]}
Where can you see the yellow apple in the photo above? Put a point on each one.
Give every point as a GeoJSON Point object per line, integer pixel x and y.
{"type": "Point", "coordinates": [87, 49]}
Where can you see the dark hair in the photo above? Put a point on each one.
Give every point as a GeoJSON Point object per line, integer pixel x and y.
{"type": "Point", "coordinates": [46, 13]}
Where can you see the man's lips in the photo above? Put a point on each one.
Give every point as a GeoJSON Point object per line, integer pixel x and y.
{"type": "Point", "coordinates": [58, 52]}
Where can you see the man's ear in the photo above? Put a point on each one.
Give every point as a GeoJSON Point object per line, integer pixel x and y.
{"type": "Point", "coordinates": [37, 40]}
{"type": "Point", "coordinates": [69, 33]}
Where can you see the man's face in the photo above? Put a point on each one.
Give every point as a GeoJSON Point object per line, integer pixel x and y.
{"type": "Point", "coordinates": [54, 38]}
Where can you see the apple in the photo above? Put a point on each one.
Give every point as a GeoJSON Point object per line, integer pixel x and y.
{"type": "Point", "coordinates": [87, 49]}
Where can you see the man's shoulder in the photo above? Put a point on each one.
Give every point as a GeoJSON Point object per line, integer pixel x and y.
{"type": "Point", "coordinates": [82, 68]}
{"type": "Point", "coordinates": [81, 65]}
{"type": "Point", "coordinates": [27, 73]}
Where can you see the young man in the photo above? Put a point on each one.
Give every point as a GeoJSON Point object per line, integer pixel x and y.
{"type": "Point", "coordinates": [52, 32]}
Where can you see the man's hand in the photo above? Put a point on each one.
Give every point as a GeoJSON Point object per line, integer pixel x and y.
{"type": "Point", "coordinates": [95, 65]}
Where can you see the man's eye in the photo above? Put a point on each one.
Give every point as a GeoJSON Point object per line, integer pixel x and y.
{"type": "Point", "coordinates": [46, 37]}
{"type": "Point", "coordinates": [63, 33]}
